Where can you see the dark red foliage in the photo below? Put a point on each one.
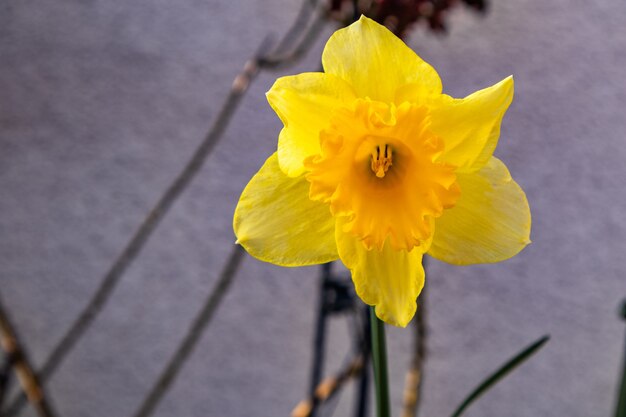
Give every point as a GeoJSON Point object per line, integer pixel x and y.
{"type": "Point", "coordinates": [401, 15]}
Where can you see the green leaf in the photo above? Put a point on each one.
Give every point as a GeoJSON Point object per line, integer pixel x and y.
{"type": "Point", "coordinates": [501, 373]}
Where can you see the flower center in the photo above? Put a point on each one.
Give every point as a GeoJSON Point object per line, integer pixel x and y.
{"type": "Point", "coordinates": [381, 160]}
{"type": "Point", "coordinates": [353, 173]}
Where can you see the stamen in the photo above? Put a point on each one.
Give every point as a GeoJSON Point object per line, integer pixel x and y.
{"type": "Point", "coordinates": [380, 165]}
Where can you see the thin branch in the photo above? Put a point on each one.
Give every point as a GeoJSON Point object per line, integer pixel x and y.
{"type": "Point", "coordinates": [329, 387]}
{"type": "Point", "coordinates": [133, 248]}
{"type": "Point", "coordinates": [414, 376]}
{"type": "Point", "coordinates": [149, 224]}
{"type": "Point", "coordinates": [173, 368]}
{"type": "Point", "coordinates": [295, 30]}
{"type": "Point", "coordinates": [283, 59]}
{"type": "Point", "coordinates": [22, 366]}
{"type": "Point", "coordinates": [193, 335]}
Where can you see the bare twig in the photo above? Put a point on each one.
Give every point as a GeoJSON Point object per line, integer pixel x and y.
{"type": "Point", "coordinates": [414, 376]}
{"type": "Point", "coordinates": [283, 59]}
{"type": "Point", "coordinates": [22, 366]}
{"type": "Point", "coordinates": [242, 81]}
{"type": "Point", "coordinates": [295, 31]}
{"type": "Point", "coordinates": [149, 224]}
{"type": "Point", "coordinates": [329, 387]}
{"type": "Point", "coordinates": [195, 331]}
{"type": "Point", "coordinates": [138, 240]}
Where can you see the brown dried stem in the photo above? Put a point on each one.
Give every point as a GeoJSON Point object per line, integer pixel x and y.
{"type": "Point", "coordinates": [329, 387]}
{"type": "Point", "coordinates": [21, 364]}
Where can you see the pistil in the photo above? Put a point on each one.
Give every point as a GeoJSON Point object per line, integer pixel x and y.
{"type": "Point", "coordinates": [381, 161]}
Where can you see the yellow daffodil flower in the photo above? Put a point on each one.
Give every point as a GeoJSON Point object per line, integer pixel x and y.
{"type": "Point", "coordinates": [375, 166]}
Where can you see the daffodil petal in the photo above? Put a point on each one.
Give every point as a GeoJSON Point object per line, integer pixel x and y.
{"type": "Point", "coordinates": [489, 223]}
{"type": "Point", "coordinates": [305, 103]}
{"type": "Point", "coordinates": [376, 62]}
{"type": "Point", "coordinates": [389, 279]}
{"type": "Point", "coordinates": [275, 221]}
{"type": "Point", "coordinates": [470, 127]}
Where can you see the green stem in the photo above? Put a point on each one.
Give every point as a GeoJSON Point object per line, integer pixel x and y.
{"type": "Point", "coordinates": [379, 356]}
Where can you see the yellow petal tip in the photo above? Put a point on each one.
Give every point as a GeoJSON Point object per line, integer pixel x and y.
{"type": "Point", "coordinates": [396, 319]}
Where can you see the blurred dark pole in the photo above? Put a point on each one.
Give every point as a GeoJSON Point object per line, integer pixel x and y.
{"type": "Point", "coordinates": [320, 336]}
{"type": "Point", "coordinates": [5, 375]}
{"type": "Point", "coordinates": [337, 297]}
{"type": "Point", "coordinates": [361, 404]}
{"type": "Point", "coordinates": [620, 411]}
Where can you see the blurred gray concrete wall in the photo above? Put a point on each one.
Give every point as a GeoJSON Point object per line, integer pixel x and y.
{"type": "Point", "coordinates": [101, 103]}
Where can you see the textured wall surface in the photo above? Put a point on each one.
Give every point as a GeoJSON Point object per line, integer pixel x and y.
{"type": "Point", "coordinates": [101, 103]}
